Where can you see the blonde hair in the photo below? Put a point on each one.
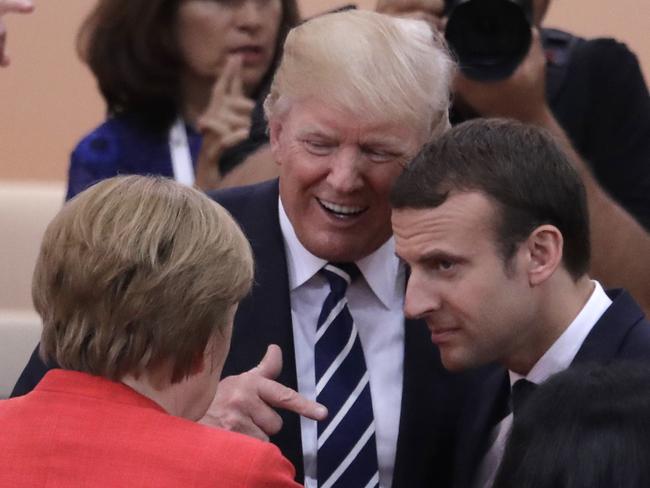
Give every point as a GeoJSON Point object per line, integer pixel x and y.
{"type": "Point", "coordinates": [135, 273]}
{"type": "Point", "coordinates": [369, 63]}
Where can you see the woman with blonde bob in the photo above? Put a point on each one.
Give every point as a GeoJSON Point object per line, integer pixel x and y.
{"type": "Point", "coordinates": [137, 283]}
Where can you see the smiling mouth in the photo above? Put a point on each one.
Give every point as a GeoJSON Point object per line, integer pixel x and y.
{"type": "Point", "coordinates": [341, 211]}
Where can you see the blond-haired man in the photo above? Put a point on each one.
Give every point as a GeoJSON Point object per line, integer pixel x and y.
{"type": "Point", "coordinates": [137, 283]}
{"type": "Point", "coordinates": [355, 97]}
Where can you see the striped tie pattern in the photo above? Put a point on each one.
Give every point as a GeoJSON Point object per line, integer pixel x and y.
{"type": "Point", "coordinates": [347, 452]}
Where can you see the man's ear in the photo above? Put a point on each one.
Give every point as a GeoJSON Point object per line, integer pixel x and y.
{"type": "Point", "coordinates": [544, 245]}
{"type": "Point", "coordinates": [275, 130]}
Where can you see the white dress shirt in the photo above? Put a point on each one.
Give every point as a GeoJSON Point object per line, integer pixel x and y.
{"type": "Point", "coordinates": [557, 358]}
{"type": "Point", "coordinates": [376, 304]}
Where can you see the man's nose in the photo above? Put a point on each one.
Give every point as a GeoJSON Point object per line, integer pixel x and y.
{"type": "Point", "coordinates": [421, 298]}
{"type": "Point", "coordinates": [346, 172]}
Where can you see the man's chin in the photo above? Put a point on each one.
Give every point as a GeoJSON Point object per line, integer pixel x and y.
{"type": "Point", "coordinates": [455, 362]}
{"type": "Point", "coordinates": [338, 252]}
{"type": "Point", "coordinates": [343, 246]}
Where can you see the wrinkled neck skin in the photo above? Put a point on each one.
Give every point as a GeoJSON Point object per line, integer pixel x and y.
{"type": "Point", "coordinates": [178, 399]}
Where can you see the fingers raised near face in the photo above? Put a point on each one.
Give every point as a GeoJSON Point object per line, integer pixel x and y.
{"type": "Point", "coordinates": [229, 80]}
{"type": "Point", "coordinates": [4, 57]}
{"type": "Point", "coordinates": [224, 80]}
{"type": "Point", "coordinates": [236, 82]}
{"type": "Point", "coordinates": [16, 6]}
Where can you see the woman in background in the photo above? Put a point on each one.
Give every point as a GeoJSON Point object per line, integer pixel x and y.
{"type": "Point", "coordinates": [170, 72]}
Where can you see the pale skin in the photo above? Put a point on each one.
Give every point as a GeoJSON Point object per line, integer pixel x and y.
{"type": "Point", "coordinates": [228, 48]}
{"type": "Point", "coordinates": [10, 6]}
{"type": "Point", "coordinates": [225, 123]}
{"type": "Point", "coordinates": [478, 308]}
{"type": "Point", "coordinates": [332, 155]}
{"type": "Point", "coordinates": [245, 403]}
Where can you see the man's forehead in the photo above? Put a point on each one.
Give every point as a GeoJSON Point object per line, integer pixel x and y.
{"type": "Point", "coordinates": [460, 212]}
{"type": "Point", "coordinates": [328, 120]}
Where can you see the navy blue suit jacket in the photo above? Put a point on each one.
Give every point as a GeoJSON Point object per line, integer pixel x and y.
{"type": "Point", "coordinates": [431, 396]}
{"type": "Point", "coordinates": [622, 333]}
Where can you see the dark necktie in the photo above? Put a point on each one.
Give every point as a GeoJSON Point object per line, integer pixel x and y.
{"type": "Point", "coordinates": [347, 452]}
{"type": "Point", "coordinates": [521, 390]}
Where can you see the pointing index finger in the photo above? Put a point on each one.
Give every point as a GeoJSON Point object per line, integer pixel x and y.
{"type": "Point", "coordinates": [280, 396]}
{"type": "Point", "coordinates": [224, 79]}
{"type": "Point", "coordinates": [236, 82]}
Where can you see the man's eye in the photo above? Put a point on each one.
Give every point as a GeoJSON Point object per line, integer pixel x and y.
{"type": "Point", "coordinates": [444, 265]}
{"type": "Point", "coordinates": [319, 148]}
{"type": "Point", "coordinates": [378, 155]}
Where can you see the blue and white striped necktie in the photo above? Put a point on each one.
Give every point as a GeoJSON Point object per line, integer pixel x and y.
{"type": "Point", "coordinates": [347, 451]}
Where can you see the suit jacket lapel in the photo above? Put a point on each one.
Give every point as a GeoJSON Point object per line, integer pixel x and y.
{"type": "Point", "coordinates": [605, 339]}
{"type": "Point", "coordinates": [415, 443]}
{"type": "Point", "coordinates": [483, 410]}
{"type": "Point", "coordinates": [264, 317]}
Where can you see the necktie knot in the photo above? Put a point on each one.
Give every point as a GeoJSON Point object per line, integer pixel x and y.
{"type": "Point", "coordinates": [340, 275]}
{"type": "Point", "coordinates": [521, 390]}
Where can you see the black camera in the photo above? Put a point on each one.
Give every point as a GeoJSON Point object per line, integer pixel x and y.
{"type": "Point", "coordinates": [489, 37]}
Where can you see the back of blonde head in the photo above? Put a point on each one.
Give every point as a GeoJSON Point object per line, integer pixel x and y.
{"type": "Point", "coordinates": [368, 63]}
{"type": "Point", "coordinates": [136, 273]}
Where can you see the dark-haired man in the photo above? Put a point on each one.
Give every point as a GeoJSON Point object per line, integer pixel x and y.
{"type": "Point", "coordinates": [492, 220]}
{"type": "Point", "coordinates": [566, 85]}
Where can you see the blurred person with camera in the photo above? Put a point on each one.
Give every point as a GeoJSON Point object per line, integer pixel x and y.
{"type": "Point", "coordinates": [589, 93]}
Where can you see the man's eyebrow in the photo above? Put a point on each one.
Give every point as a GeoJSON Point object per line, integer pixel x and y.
{"type": "Point", "coordinates": [316, 130]}
{"type": "Point", "coordinates": [383, 142]}
{"type": "Point", "coordinates": [439, 254]}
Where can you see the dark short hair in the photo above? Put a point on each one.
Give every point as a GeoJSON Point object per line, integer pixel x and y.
{"type": "Point", "coordinates": [587, 427]}
{"type": "Point", "coordinates": [132, 48]}
{"type": "Point", "coordinates": [520, 167]}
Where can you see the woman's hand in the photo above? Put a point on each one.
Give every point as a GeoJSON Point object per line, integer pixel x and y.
{"type": "Point", "coordinates": [225, 123]}
{"type": "Point", "coordinates": [7, 6]}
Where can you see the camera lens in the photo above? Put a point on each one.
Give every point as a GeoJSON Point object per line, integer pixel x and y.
{"type": "Point", "coordinates": [489, 37]}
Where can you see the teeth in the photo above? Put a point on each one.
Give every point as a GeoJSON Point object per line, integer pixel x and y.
{"type": "Point", "coordinates": [341, 209]}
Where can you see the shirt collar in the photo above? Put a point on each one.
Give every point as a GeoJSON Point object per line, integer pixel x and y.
{"type": "Point", "coordinates": [381, 269]}
{"type": "Point", "coordinates": [560, 355]}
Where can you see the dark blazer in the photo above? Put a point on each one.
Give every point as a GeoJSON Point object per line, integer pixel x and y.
{"type": "Point", "coordinates": [431, 396]}
{"type": "Point", "coordinates": [622, 333]}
